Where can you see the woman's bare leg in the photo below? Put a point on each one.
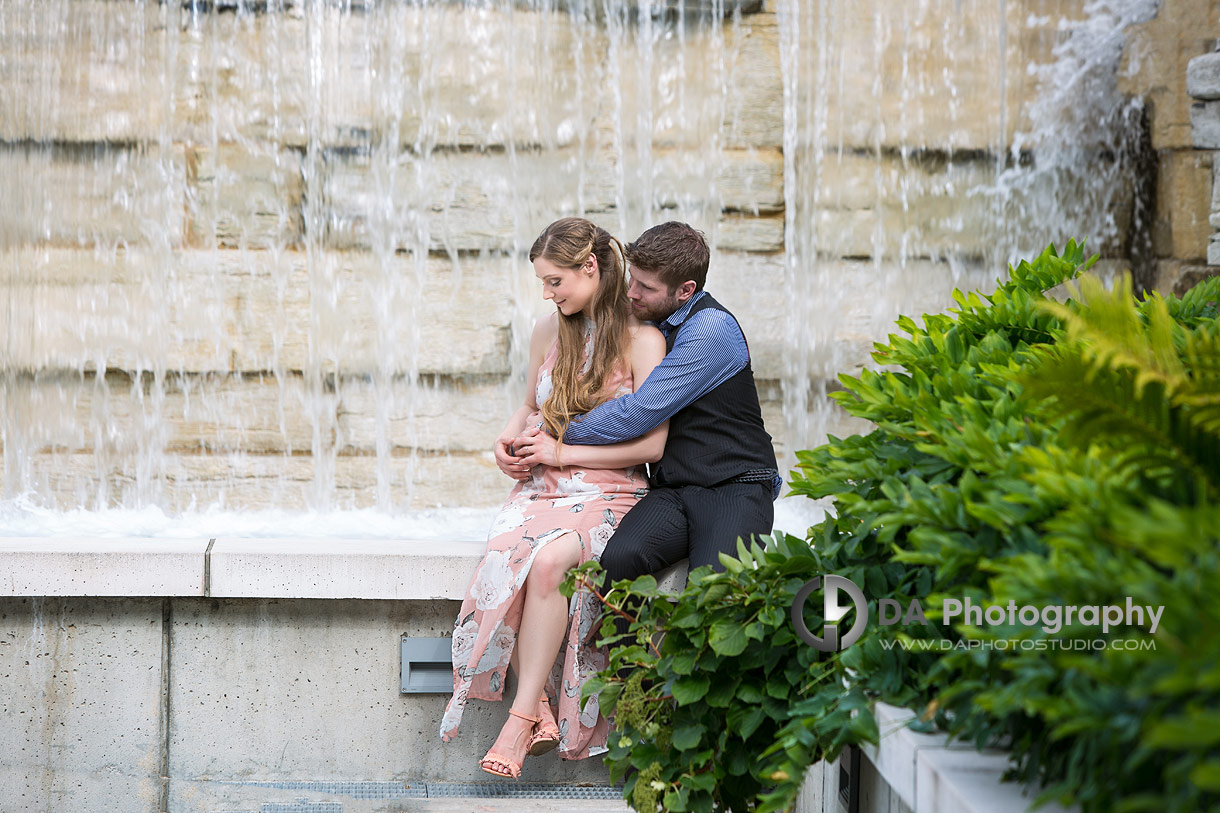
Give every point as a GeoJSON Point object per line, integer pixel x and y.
{"type": "Point", "coordinates": [544, 619]}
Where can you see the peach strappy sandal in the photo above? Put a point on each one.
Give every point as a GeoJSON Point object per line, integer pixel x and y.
{"type": "Point", "coordinates": [497, 764]}
{"type": "Point", "coordinates": [546, 732]}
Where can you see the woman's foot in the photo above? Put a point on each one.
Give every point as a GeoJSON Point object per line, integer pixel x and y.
{"type": "Point", "coordinates": [508, 751]}
{"type": "Point", "coordinates": [546, 732]}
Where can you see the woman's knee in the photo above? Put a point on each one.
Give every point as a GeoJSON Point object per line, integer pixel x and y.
{"type": "Point", "coordinates": [552, 563]}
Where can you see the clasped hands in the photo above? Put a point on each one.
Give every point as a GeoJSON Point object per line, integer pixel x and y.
{"type": "Point", "coordinates": [516, 455]}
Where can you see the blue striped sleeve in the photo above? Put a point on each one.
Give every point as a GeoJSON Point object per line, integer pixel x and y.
{"type": "Point", "coordinates": [708, 350]}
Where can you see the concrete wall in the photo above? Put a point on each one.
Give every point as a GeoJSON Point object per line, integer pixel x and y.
{"type": "Point", "coordinates": [224, 674]}
{"type": "Point", "coordinates": [205, 700]}
{"type": "Point", "coordinates": [195, 704]}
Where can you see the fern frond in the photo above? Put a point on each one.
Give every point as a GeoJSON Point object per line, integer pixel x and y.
{"type": "Point", "coordinates": [1201, 351]}
{"type": "Point", "coordinates": [1106, 405]}
{"type": "Point", "coordinates": [1113, 333]}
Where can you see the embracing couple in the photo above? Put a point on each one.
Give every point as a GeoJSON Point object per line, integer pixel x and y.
{"type": "Point", "coordinates": [651, 370]}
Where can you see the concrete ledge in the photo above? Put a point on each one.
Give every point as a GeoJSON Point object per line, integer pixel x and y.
{"type": "Point", "coordinates": [931, 775]}
{"type": "Point", "coordinates": [40, 566]}
{"type": "Point", "coordinates": [342, 568]}
{"type": "Point", "coordinates": [248, 568]}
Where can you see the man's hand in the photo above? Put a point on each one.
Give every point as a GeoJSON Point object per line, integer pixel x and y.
{"type": "Point", "coordinates": [508, 462]}
{"type": "Point", "coordinates": [536, 447]}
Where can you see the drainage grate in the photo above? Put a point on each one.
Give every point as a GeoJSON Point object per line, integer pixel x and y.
{"type": "Point", "coordinates": [303, 806]}
{"type": "Point", "coordinates": [424, 790]}
{"type": "Point", "coordinates": [353, 790]}
{"type": "Point", "coordinates": [498, 790]}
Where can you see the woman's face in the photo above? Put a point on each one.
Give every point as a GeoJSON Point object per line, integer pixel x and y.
{"type": "Point", "coordinates": [571, 289]}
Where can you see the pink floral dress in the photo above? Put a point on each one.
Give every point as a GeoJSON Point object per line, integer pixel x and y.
{"type": "Point", "coordinates": [553, 502]}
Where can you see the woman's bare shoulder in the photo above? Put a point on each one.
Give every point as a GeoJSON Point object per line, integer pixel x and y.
{"type": "Point", "coordinates": [646, 336]}
{"type": "Point", "coordinates": [545, 329]}
{"type": "Point", "coordinates": [643, 330]}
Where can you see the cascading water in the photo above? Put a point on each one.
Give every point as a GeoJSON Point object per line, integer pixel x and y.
{"type": "Point", "coordinates": [958, 139]}
{"type": "Point", "coordinates": [271, 255]}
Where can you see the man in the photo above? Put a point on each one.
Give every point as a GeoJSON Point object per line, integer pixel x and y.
{"type": "Point", "coordinates": [717, 479]}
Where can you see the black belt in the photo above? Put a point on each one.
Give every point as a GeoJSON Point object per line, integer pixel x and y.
{"type": "Point", "coordinates": [754, 476]}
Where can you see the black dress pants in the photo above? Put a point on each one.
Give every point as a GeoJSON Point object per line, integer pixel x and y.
{"type": "Point", "coordinates": [672, 524]}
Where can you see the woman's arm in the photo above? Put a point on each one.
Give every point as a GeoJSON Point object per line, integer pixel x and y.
{"type": "Point", "coordinates": [544, 333]}
{"type": "Point", "coordinates": [647, 350]}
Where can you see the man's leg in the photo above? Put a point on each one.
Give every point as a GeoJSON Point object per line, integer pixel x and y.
{"type": "Point", "coordinates": [718, 516]}
{"type": "Point", "coordinates": [651, 537]}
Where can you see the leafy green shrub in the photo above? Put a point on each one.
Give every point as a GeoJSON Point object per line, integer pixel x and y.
{"type": "Point", "coordinates": [1028, 451]}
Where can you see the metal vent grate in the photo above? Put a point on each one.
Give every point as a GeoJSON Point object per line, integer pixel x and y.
{"type": "Point", "coordinates": [496, 790]}
{"type": "Point", "coordinates": [424, 790]}
{"type": "Point", "coordinates": [427, 665]}
{"type": "Point", "coordinates": [352, 790]}
{"type": "Point", "coordinates": [303, 806]}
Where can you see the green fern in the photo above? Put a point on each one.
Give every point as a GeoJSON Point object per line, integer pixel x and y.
{"type": "Point", "coordinates": [1135, 379]}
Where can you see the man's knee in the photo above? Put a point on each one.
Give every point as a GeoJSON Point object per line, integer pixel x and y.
{"type": "Point", "coordinates": [622, 562]}
{"type": "Point", "coordinates": [740, 511]}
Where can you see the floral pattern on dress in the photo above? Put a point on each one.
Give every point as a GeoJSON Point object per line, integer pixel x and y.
{"type": "Point", "coordinates": [551, 503]}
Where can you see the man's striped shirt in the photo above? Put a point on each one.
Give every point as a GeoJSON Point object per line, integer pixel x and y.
{"type": "Point", "coordinates": [708, 351]}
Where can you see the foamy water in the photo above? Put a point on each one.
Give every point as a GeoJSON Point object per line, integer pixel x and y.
{"type": "Point", "coordinates": [23, 517]}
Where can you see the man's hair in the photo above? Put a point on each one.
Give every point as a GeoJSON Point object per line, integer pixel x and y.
{"type": "Point", "coordinates": [673, 251]}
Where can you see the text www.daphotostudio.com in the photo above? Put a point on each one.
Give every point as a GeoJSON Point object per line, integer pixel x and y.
{"type": "Point", "coordinates": [1051, 618]}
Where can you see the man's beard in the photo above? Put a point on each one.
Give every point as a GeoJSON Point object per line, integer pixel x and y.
{"type": "Point", "coordinates": [658, 313]}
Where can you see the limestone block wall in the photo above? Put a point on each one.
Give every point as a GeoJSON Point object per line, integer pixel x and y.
{"type": "Point", "coordinates": [274, 255]}
{"type": "Point", "coordinates": [1203, 84]}
{"type": "Point", "coordinates": [1154, 68]}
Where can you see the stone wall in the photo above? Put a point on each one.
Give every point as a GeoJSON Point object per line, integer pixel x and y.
{"type": "Point", "coordinates": [1203, 85]}
{"type": "Point", "coordinates": [1155, 69]}
{"type": "Point", "coordinates": [275, 257]}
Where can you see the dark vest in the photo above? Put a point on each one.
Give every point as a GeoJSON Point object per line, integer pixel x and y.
{"type": "Point", "coordinates": [720, 435]}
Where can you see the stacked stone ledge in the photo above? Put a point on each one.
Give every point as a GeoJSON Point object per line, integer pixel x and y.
{"type": "Point", "coordinates": [1203, 85]}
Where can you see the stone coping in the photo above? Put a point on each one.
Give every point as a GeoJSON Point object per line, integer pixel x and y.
{"type": "Point", "coordinates": [933, 775]}
{"type": "Point", "coordinates": [328, 568]}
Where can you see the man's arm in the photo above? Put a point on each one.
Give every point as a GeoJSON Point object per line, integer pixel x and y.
{"type": "Point", "coordinates": [709, 350]}
{"type": "Point", "coordinates": [537, 447]}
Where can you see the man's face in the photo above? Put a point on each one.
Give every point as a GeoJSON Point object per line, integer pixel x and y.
{"type": "Point", "coordinates": [650, 298]}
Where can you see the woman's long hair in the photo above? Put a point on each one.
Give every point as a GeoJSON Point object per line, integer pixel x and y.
{"type": "Point", "coordinates": [568, 243]}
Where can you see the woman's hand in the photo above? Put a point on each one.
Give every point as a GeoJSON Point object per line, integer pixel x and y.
{"type": "Point", "coordinates": [508, 462]}
{"type": "Point", "coordinates": [536, 447]}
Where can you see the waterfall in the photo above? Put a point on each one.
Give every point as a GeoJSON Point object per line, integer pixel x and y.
{"type": "Point", "coordinates": [271, 255]}
{"type": "Point", "coordinates": [930, 144]}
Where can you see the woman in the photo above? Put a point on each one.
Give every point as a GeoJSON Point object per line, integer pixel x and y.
{"type": "Point", "coordinates": [591, 350]}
